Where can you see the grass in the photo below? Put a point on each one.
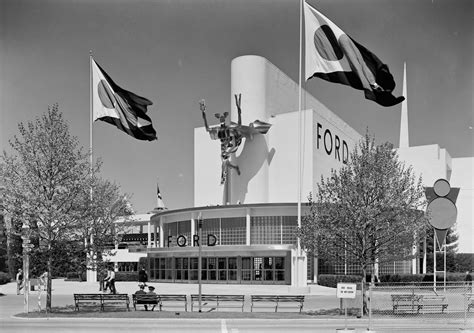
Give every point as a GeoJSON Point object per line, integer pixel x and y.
{"type": "Point", "coordinates": [93, 312]}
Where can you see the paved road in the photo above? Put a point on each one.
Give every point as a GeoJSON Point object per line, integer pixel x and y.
{"type": "Point", "coordinates": [209, 326]}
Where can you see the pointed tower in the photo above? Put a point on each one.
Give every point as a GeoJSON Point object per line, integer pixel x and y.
{"type": "Point", "coordinates": [404, 140]}
{"type": "Point", "coordinates": [160, 205]}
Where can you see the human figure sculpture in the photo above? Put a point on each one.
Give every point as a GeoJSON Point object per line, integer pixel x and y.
{"type": "Point", "coordinates": [231, 134]}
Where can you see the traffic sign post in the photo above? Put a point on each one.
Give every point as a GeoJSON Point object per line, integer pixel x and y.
{"type": "Point", "coordinates": [344, 291]}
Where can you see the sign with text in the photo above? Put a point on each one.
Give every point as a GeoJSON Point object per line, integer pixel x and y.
{"type": "Point", "coordinates": [346, 290]}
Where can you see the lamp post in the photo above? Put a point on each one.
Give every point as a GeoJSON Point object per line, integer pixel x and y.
{"type": "Point", "coordinates": [25, 230]}
{"type": "Point", "coordinates": [200, 259]}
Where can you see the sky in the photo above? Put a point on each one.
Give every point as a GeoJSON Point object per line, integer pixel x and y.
{"type": "Point", "coordinates": [178, 52]}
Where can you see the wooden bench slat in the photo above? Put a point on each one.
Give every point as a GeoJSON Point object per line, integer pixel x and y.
{"type": "Point", "coordinates": [101, 299]}
{"type": "Point", "coordinates": [218, 301]}
{"type": "Point", "coordinates": [275, 301]}
{"type": "Point", "coordinates": [433, 303]}
{"type": "Point", "coordinates": [181, 299]}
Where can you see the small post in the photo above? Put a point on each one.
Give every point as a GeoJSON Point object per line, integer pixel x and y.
{"type": "Point", "coordinates": [345, 313]}
{"type": "Point", "coordinates": [370, 308]}
{"type": "Point", "coordinates": [444, 271]}
{"type": "Point", "coordinates": [26, 262]}
{"type": "Point", "coordinates": [434, 260]}
{"type": "Point", "coordinates": [200, 260]}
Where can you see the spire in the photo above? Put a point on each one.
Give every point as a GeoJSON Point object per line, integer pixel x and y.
{"type": "Point", "coordinates": [159, 200]}
{"type": "Point", "coordinates": [404, 140]}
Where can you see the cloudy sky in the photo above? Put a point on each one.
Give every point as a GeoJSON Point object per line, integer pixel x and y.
{"type": "Point", "coordinates": [177, 52]}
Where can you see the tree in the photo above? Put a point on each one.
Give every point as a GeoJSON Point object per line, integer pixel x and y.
{"type": "Point", "coordinates": [47, 180]}
{"type": "Point", "coordinates": [99, 230]}
{"type": "Point", "coordinates": [366, 213]}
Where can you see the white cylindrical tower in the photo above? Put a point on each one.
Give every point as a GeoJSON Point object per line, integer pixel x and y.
{"type": "Point", "coordinates": [249, 76]}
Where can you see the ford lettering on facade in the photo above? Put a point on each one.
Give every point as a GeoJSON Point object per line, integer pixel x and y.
{"type": "Point", "coordinates": [332, 143]}
{"type": "Point", "coordinates": [182, 241]}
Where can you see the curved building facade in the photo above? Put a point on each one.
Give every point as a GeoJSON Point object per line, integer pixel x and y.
{"type": "Point", "coordinates": [246, 243]}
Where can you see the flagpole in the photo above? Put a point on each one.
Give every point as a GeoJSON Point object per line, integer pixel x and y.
{"type": "Point", "coordinates": [298, 268]}
{"type": "Point", "coordinates": [91, 277]}
{"type": "Point", "coordinates": [91, 117]}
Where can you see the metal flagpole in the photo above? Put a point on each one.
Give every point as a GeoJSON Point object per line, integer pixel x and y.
{"type": "Point", "coordinates": [298, 271]}
{"type": "Point", "coordinates": [91, 116]}
{"type": "Point", "coordinates": [91, 151]}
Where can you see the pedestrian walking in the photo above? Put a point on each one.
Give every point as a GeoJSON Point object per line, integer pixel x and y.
{"type": "Point", "coordinates": [110, 281]}
{"type": "Point", "coordinates": [19, 281]}
{"type": "Point", "coordinates": [142, 277]}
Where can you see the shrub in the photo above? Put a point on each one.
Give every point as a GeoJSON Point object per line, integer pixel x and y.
{"type": "Point", "coordinates": [450, 277]}
{"type": "Point", "coordinates": [4, 278]}
{"type": "Point", "coordinates": [76, 276]}
{"type": "Point", "coordinates": [401, 278]}
{"type": "Point", "coordinates": [329, 280]}
{"type": "Point", "coordinates": [126, 276]}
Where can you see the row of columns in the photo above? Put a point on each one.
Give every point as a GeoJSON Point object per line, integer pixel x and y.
{"type": "Point", "coordinates": [158, 231]}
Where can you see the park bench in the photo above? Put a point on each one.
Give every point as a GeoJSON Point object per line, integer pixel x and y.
{"type": "Point", "coordinates": [277, 301]}
{"type": "Point", "coordinates": [433, 303]}
{"type": "Point", "coordinates": [212, 302]}
{"type": "Point", "coordinates": [173, 300]}
{"type": "Point", "coordinates": [145, 299]}
{"type": "Point", "coordinates": [406, 303]}
{"type": "Point", "coordinates": [101, 300]}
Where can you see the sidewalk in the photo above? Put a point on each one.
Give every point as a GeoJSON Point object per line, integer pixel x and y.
{"type": "Point", "coordinates": [319, 297]}
{"type": "Point", "coordinates": [62, 287]}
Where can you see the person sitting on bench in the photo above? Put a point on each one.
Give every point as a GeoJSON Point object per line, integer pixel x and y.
{"type": "Point", "coordinates": [151, 291]}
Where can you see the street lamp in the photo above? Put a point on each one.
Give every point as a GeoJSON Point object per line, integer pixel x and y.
{"type": "Point", "coordinates": [200, 259]}
{"type": "Point", "coordinates": [27, 246]}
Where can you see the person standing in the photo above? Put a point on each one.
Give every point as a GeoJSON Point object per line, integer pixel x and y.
{"type": "Point", "coordinates": [142, 277]}
{"type": "Point", "coordinates": [468, 281]}
{"type": "Point", "coordinates": [110, 279]}
{"type": "Point", "coordinates": [43, 279]}
{"type": "Point", "coordinates": [19, 281]}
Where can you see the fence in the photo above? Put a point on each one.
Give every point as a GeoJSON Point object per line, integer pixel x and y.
{"type": "Point", "coordinates": [453, 302]}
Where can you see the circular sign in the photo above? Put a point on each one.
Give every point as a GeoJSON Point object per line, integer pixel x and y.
{"type": "Point", "coordinates": [441, 187]}
{"type": "Point", "coordinates": [443, 213]}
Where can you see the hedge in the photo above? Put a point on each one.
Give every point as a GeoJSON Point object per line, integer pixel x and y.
{"type": "Point", "coordinates": [329, 280]}
{"type": "Point", "coordinates": [4, 278]}
{"type": "Point", "coordinates": [451, 277]}
{"type": "Point", "coordinates": [76, 276]}
{"type": "Point", "coordinates": [126, 276]}
{"type": "Point", "coordinates": [399, 278]}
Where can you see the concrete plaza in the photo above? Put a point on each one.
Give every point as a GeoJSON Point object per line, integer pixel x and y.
{"type": "Point", "coordinates": [317, 299]}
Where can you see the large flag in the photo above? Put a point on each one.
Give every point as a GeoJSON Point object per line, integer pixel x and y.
{"type": "Point", "coordinates": [120, 107]}
{"type": "Point", "coordinates": [332, 55]}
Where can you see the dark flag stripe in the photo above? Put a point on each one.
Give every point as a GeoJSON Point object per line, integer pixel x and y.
{"type": "Point", "coordinates": [332, 55]}
{"type": "Point", "coordinates": [120, 107]}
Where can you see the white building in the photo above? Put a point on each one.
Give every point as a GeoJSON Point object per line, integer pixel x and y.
{"type": "Point", "coordinates": [252, 217]}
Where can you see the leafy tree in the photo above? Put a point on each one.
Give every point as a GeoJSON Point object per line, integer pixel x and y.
{"type": "Point", "coordinates": [99, 230]}
{"type": "Point", "coordinates": [367, 212]}
{"type": "Point", "coordinates": [48, 178]}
